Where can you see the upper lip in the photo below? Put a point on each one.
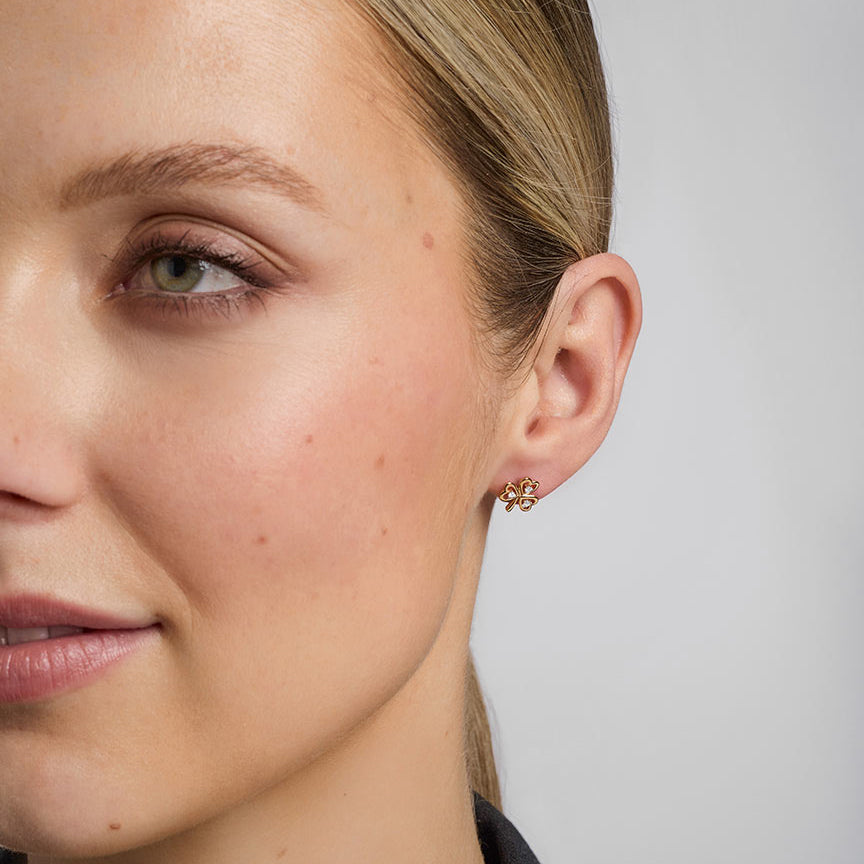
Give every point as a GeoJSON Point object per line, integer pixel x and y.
{"type": "Point", "coordinates": [40, 610]}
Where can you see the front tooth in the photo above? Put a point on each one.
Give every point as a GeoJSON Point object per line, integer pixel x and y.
{"type": "Point", "coordinates": [17, 635]}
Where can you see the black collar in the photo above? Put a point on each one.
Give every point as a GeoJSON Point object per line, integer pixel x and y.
{"type": "Point", "coordinates": [500, 842]}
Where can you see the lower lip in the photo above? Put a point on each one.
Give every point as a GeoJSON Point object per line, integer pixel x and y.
{"type": "Point", "coordinates": [31, 671]}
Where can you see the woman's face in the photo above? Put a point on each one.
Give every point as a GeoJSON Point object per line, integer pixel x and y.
{"type": "Point", "coordinates": [281, 480]}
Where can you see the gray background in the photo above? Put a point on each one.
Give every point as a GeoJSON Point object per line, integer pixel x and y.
{"type": "Point", "coordinates": [671, 642]}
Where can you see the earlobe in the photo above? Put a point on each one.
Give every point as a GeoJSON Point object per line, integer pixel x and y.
{"type": "Point", "coordinates": [565, 407]}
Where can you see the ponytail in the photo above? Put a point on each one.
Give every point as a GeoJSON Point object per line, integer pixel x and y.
{"type": "Point", "coordinates": [480, 757]}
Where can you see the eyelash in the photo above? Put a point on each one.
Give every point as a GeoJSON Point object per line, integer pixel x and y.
{"type": "Point", "coordinates": [200, 304]}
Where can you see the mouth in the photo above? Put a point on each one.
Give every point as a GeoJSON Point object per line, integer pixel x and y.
{"type": "Point", "coordinates": [48, 646]}
{"type": "Point", "coordinates": [19, 635]}
{"type": "Point", "coordinates": [34, 617]}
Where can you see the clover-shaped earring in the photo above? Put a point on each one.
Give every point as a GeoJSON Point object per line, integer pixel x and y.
{"type": "Point", "coordinates": [523, 494]}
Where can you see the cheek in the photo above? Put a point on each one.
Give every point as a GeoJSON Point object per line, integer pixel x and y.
{"type": "Point", "coordinates": [248, 478]}
{"type": "Point", "coordinates": [301, 525]}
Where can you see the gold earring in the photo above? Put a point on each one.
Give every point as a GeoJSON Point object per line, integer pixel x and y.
{"type": "Point", "coordinates": [523, 494]}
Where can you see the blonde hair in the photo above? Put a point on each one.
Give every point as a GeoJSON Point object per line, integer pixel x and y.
{"type": "Point", "coordinates": [511, 96]}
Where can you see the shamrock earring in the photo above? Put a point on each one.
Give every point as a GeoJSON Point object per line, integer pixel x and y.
{"type": "Point", "coordinates": [523, 494]}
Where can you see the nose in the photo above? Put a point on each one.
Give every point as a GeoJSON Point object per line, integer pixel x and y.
{"type": "Point", "coordinates": [40, 457]}
{"type": "Point", "coordinates": [36, 463]}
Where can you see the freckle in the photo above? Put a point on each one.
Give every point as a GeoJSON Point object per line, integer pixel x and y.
{"type": "Point", "coordinates": [409, 197]}
{"type": "Point", "coordinates": [309, 439]}
{"type": "Point", "coordinates": [115, 826]}
{"type": "Point", "coordinates": [374, 361]}
{"type": "Point", "coordinates": [262, 539]}
{"type": "Point", "coordinates": [282, 853]}
{"type": "Point", "coordinates": [16, 439]}
{"type": "Point", "coordinates": [428, 240]}
{"type": "Point", "coordinates": [384, 531]}
{"type": "Point", "coordinates": [379, 462]}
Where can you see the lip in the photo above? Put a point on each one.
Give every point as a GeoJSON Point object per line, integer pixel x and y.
{"type": "Point", "coordinates": [31, 671]}
{"type": "Point", "coordinates": [40, 610]}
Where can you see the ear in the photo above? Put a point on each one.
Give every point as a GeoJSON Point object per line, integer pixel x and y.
{"type": "Point", "coordinates": [562, 411]}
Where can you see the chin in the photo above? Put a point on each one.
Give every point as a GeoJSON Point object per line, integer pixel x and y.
{"type": "Point", "coordinates": [61, 808]}
{"type": "Point", "coordinates": [37, 831]}
{"type": "Point", "coordinates": [57, 826]}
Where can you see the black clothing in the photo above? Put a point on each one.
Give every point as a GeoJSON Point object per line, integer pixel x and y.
{"type": "Point", "coordinates": [500, 842]}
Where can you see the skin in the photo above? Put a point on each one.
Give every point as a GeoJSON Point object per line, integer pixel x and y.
{"type": "Point", "coordinates": [298, 493]}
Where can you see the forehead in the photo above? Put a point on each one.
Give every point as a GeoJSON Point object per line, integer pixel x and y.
{"type": "Point", "coordinates": [90, 80]}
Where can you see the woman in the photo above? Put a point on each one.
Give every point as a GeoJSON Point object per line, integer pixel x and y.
{"type": "Point", "coordinates": [294, 291]}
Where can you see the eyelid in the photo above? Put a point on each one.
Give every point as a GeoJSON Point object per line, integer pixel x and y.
{"type": "Point", "coordinates": [226, 237]}
{"type": "Point", "coordinates": [239, 258]}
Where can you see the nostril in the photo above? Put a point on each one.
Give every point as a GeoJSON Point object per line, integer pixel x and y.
{"type": "Point", "coordinates": [41, 466]}
{"type": "Point", "coordinates": [17, 507]}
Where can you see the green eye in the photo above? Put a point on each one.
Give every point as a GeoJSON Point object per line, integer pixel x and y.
{"type": "Point", "coordinates": [177, 273]}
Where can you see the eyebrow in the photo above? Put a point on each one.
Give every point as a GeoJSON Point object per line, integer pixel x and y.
{"type": "Point", "coordinates": [171, 168]}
